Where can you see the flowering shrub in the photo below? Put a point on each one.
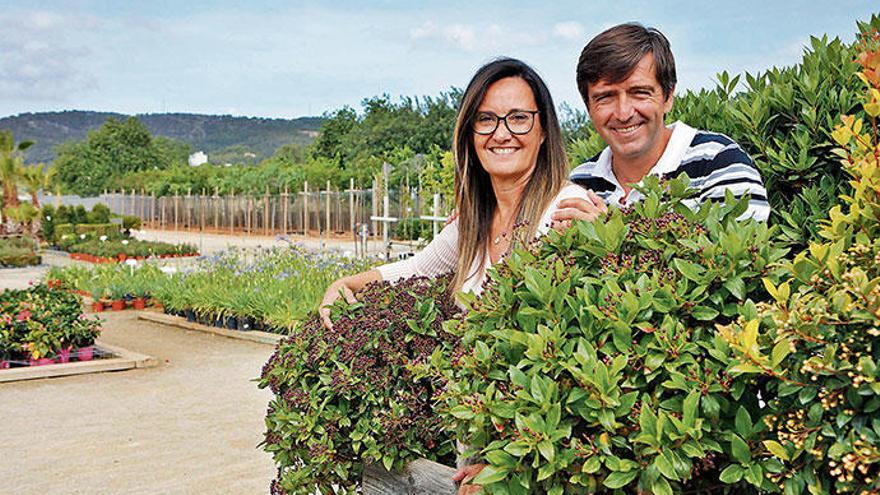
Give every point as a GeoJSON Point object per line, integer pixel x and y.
{"type": "Point", "coordinates": [593, 362]}
{"type": "Point", "coordinates": [355, 394]}
{"type": "Point", "coordinates": [817, 345]}
{"type": "Point", "coordinates": [40, 321]}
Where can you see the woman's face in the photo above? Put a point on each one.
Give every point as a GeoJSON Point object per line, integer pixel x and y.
{"type": "Point", "coordinates": [506, 156]}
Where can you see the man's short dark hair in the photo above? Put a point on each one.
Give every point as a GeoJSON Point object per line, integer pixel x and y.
{"type": "Point", "coordinates": [613, 55]}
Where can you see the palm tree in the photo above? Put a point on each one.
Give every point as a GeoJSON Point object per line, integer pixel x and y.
{"type": "Point", "coordinates": [37, 178]}
{"type": "Point", "coordinates": [11, 161]}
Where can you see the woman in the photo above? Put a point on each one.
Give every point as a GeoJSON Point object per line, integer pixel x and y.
{"type": "Point", "coordinates": [510, 169]}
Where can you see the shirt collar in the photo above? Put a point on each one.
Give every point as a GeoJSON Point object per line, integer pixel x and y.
{"type": "Point", "coordinates": [679, 142]}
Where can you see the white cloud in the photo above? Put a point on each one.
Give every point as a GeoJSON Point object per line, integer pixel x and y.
{"type": "Point", "coordinates": [569, 30]}
{"type": "Point", "coordinates": [470, 37]}
{"type": "Point", "coordinates": [461, 35]}
{"type": "Point", "coordinates": [43, 55]}
{"type": "Point", "coordinates": [426, 30]}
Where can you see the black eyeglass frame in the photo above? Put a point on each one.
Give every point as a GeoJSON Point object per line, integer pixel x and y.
{"type": "Point", "coordinates": [499, 118]}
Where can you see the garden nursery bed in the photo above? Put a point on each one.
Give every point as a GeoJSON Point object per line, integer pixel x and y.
{"type": "Point", "coordinates": [99, 358]}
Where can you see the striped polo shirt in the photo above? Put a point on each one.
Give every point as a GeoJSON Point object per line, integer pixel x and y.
{"type": "Point", "coordinates": [714, 163]}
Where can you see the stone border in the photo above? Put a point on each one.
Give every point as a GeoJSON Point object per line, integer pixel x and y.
{"type": "Point", "coordinates": [177, 321]}
{"type": "Point", "coordinates": [126, 360]}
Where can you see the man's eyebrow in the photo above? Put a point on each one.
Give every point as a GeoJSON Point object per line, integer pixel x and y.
{"type": "Point", "coordinates": [645, 87]}
{"type": "Point", "coordinates": [597, 94]}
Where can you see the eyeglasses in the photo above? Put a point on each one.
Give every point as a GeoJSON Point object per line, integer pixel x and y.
{"type": "Point", "coordinates": [517, 122]}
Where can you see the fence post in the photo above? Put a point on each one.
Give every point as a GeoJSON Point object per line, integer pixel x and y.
{"type": "Point", "coordinates": [266, 212]}
{"type": "Point", "coordinates": [215, 200]}
{"type": "Point", "coordinates": [285, 210]}
{"type": "Point", "coordinates": [153, 209]}
{"type": "Point", "coordinates": [306, 208]}
{"type": "Point", "coordinates": [327, 222]}
{"type": "Point", "coordinates": [231, 204]}
{"type": "Point", "coordinates": [374, 206]}
{"type": "Point", "coordinates": [351, 223]}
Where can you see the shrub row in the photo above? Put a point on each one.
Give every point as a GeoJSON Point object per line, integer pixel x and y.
{"type": "Point", "coordinates": [18, 252]}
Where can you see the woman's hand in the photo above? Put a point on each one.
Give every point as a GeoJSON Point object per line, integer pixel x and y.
{"type": "Point", "coordinates": [336, 289]}
{"type": "Point", "coordinates": [465, 475]}
{"type": "Point", "coordinates": [346, 287]}
{"type": "Point", "coordinates": [578, 209]}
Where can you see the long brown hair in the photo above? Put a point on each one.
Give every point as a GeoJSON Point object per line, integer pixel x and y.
{"type": "Point", "coordinates": [475, 199]}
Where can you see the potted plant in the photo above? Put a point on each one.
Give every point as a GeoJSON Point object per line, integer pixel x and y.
{"type": "Point", "coordinates": [84, 334]}
{"type": "Point", "coordinates": [40, 344]}
{"type": "Point", "coordinates": [7, 347]}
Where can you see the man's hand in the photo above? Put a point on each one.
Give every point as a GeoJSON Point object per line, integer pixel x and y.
{"type": "Point", "coordinates": [465, 475]}
{"type": "Point", "coordinates": [333, 293]}
{"type": "Point", "coordinates": [578, 209]}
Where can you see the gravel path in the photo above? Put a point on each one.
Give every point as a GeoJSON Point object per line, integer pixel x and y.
{"type": "Point", "coordinates": [189, 426]}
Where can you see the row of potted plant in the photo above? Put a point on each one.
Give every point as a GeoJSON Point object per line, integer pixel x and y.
{"type": "Point", "coordinates": [266, 289]}
{"type": "Point", "coordinates": [104, 250]}
{"type": "Point", "coordinates": [43, 325]}
{"type": "Point", "coordinates": [110, 286]}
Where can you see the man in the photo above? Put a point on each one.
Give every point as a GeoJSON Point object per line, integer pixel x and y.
{"type": "Point", "coordinates": [626, 76]}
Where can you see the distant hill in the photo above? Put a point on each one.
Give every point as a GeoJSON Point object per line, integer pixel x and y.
{"type": "Point", "coordinates": [213, 134]}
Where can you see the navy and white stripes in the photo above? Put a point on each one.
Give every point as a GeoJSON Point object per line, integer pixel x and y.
{"type": "Point", "coordinates": [714, 163]}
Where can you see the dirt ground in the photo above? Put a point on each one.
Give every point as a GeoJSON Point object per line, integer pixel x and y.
{"type": "Point", "coordinates": [189, 426]}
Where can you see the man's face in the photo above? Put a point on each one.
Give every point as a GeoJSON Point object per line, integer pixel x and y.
{"type": "Point", "coordinates": [629, 114]}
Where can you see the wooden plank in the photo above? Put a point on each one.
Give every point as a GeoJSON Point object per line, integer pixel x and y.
{"type": "Point", "coordinates": [126, 360]}
{"type": "Point", "coordinates": [176, 321]}
{"type": "Point", "coordinates": [421, 477]}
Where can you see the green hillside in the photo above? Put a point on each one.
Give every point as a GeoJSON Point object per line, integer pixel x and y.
{"type": "Point", "coordinates": [221, 135]}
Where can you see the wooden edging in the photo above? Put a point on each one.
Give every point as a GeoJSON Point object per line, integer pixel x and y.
{"type": "Point", "coordinates": [176, 321]}
{"type": "Point", "coordinates": [421, 477]}
{"type": "Point", "coordinates": [125, 360]}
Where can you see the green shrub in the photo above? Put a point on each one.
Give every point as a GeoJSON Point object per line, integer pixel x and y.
{"type": "Point", "coordinates": [593, 362]}
{"type": "Point", "coordinates": [817, 345]}
{"type": "Point", "coordinates": [130, 223]}
{"type": "Point", "coordinates": [18, 252]}
{"type": "Point", "coordinates": [49, 220]}
{"type": "Point", "coordinates": [349, 396]}
{"type": "Point", "coordinates": [111, 230]}
{"type": "Point", "coordinates": [411, 229]}
{"type": "Point", "coordinates": [100, 214]}
{"type": "Point", "coordinates": [78, 215]}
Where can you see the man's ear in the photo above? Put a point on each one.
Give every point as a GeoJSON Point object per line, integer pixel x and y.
{"type": "Point", "coordinates": [667, 105]}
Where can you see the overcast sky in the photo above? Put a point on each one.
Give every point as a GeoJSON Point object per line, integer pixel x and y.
{"type": "Point", "coordinates": [290, 59]}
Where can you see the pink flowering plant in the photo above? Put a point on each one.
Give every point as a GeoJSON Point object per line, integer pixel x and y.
{"type": "Point", "coordinates": [357, 394]}
{"type": "Point", "coordinates": [39, 321]}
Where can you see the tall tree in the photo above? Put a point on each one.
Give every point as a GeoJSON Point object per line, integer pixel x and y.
{"type": "Point", "coordinates": [11, 162]}
{"type": "Point", "coordinates": [116, 148]}
{"type": "Point", "coordinates": [37, 178]}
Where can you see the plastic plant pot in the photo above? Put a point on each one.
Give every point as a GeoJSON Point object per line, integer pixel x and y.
{"type": "Point", "coordinates": [118, 304]}
{"type": "Point", "coordinates": [63, 355]}
{"type": "Point", "coordinates": [232, 323]}
{"type": "Point", "coordinates": [244, 323]}
{"type": "Point", "coordinates": [85, 353]}
{"type": "Point", "coordinates": [98, 307]}
{"type": "Point", "coordinates": [139, 303]}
